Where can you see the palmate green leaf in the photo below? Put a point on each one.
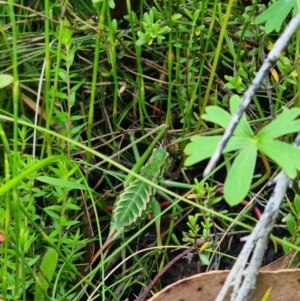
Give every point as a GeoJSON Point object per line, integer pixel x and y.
{"type": "Point", "coordinates": [243, 128]}
{"type": "Point", "coordinates": [276, 14]}
{"type": "Point", "coordinates": [61, 183]}
{"type": "Point", "coordinates": [201, 148]}
{"type": "Point", "coordinates": [282, 125]}
{"type": "Point", "coordinates": [285, 155]}
{"type": "Point", "coordinates": [236, 143]}
{"type": "Point", "coordinates": [239, 178]}
{"type": "Point", "coordinates": [219, 116]}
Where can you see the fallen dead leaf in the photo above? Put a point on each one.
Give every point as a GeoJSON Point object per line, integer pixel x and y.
{"type": "Point", "coordinates": [285, 285]}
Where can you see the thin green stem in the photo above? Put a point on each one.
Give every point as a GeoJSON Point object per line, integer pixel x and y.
{"type": "Point", "coordinates": [14, 167]}
{"type": "Point", "coordinates": [266, 176]}
{"type": "Point", "coordinates": [216, 60]}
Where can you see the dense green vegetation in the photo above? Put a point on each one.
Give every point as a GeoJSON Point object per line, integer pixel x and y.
{"type": "Point", "coordinates": [85, 89]}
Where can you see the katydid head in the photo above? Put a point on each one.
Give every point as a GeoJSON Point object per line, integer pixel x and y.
{"type": "Point", "coordinates": [156, 164]}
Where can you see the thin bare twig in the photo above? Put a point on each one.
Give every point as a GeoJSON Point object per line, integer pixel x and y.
{"type": "Point", "coordinates": [241, 278]}
{"type": "Point", "coordinates": [147, 290]}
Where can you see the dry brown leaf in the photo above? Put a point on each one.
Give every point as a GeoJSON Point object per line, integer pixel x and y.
{"type": "Point", "coordinates": [285, 285]}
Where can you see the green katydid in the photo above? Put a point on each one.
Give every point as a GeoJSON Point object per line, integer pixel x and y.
{"type": "Point", "coordinates": [133, 204]}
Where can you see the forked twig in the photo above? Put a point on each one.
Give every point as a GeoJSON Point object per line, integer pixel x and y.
{"type": "Point", "coordinates": [241, 278]}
